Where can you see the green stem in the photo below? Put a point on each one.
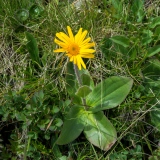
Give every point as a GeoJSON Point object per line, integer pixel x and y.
{"type": "Point", "coordinates": [79, 82]}
{"type": "Point", "coordinates": [77, 75]}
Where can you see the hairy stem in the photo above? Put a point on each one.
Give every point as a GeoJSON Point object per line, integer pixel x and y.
{"type": "Point", "coordinates": [79, 82]}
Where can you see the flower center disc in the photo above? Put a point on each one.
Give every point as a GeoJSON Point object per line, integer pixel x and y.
{"type": "Point", "coordinates": [73, 49]}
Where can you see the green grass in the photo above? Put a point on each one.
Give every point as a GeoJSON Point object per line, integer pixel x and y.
{"type": "Point", "coordinates": [34, 99]}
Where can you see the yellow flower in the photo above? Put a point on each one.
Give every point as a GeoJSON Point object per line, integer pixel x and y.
{"type": "Point", "coordinates": [76, 47]}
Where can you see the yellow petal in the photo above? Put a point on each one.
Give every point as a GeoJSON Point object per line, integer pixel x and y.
{"type": "Point", "coordinates": [82, 51]}
{"type": "Point", "coordinates": [71, 59]}
{"type": "Point", "coordinates": [87, 55]}
{"type": "Point", "coordinates": [74, 59]}
{"type": "Point", "coordinates": [59, 35]}
{"type": "Point", "coordinates": [59, 50]}
{"type": "Point", "coordinates": [62, 44]}
{"type": "Point", "coordinates": [77, 36]}
{"type": "Point", "coordinates": [79, 62]}
{"type": "Point", "coordinates": [69, 55]}
{"type": "Point", "coordinates": [86, 41]}
{"type": "Point", "coordinates": [88, 45]}
{"type": "Point", "coordinates": [82, 63]}
{"type": "Point", "coordinates": [70, 33]}
{"type": "Point", "coordinates": [65, 37]}
{"type": "Point", "coordinates": [81, 38]}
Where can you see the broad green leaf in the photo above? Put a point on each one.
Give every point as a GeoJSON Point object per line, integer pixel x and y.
{"type": "Point", "coordinates": [154, 50]}
{"type": "Point", "coordinates": [32, 48]}
{"type": "Point", "coordinates": [106, 45]}
{"type": "Point", "coordinates": [155, 116]}
{"type": "Point", "coordinates": [117, 4]}
{"type": "Point", "coordinates": [73, 125]}
{"type": "Point", "coordinates": [99, 131]}
{"type": "Point", "coordinates": [83, 91]}
{"type": "Point", "coordinates": [63, 158]}
{"type": "Point", "coordinates": [152, 69]}
{"type": "Point", "coordinates": [55, 109]}
{"type": "Point", "coordinates": [152, 87]}
{"type": "Point", "coordinates": [122, 40]}
{"type": "Point", "coordinates": [132, 53]}
{"type": "Point", "coordinates": [120, 49]}
{"type": "Point", "coordinates": [147, 37]}
{"type": "Point", "coordinates": [40, 95]}
{"type": "Point", "coordinates": [58, 122]}
{"type": "Point", "coordinates": [76, 99]}
{"type": "Point", "coordinates": [109, 93]}
{"type": "Point", "coordinates": [85, 79]}
{"type": "Point", "coordinates": [20, 116]}
{"type": "Point", "coordinates": [146, 40]}
{"type": "Point", "coordinates": [153, 84]}
{"type": "Point", "coordinates": [138, 9]}
{"type": "Point", "coordinates": [155, 22]}
{"type": "Point", "coordinates": [151, 74]}
{"type": "Point", "coordinates": [157, 31]}
{"type": "Point", "coordinates": [147, 33]}
{"type": "Point", "coordinates": [32, 134]}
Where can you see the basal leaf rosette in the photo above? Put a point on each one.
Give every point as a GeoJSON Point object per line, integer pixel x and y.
{"type": "Point", "coordinates": [95, 126]}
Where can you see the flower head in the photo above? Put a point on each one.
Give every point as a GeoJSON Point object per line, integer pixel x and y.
{"type": "Point", "coordinates": [76, 47]}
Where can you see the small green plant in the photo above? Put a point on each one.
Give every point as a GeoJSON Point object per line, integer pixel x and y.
{"type": "Point", "coordinates": [44, 98]}
{"type": "Point", "coordinates": [132, 154]}
{"type": "Point", "coordinates": [31, 117]}
{"type": "Point", "coordinates": [89, 101]}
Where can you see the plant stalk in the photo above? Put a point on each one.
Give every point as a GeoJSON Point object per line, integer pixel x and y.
{"type": "Point", "coordinates": [79, 82]}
